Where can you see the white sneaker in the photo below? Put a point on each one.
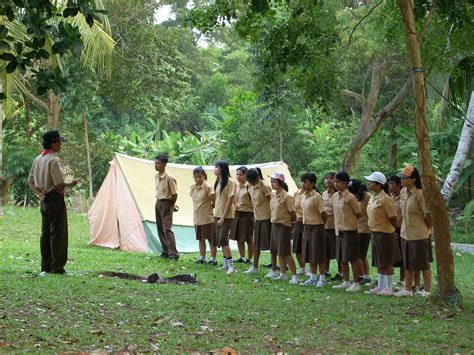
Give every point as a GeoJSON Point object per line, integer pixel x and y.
{"type": "Point", "coordinates": [344, 286]}
{"type": "Point", "coordinates": [310, 282]}
{"type": "Point", "coordinates": [281, 277]}
{"type": "Point", "coordinates": [224, 267]}
{"type": "Point", "coordinates": [294, 281]}
{"type": "Point", "coordinates": [272, 274]}
{"type": "Point", "coordinates": [422, 293]}
{"type": "Point", "coordinates": [42, 273]}
{"type": "Point", "coordinates": [321, 283]}
{"type": "Point", "coordinates": [354, 288]}
{"type": "Point", "coordinates": [252, 270]}
{"type": "Point", "coordinates": [403, 293]}
{"type": "Point", "coordinates": [231, 270]}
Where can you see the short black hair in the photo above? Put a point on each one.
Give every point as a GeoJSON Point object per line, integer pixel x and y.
{"type": "Point", "coordinates": [253, 175]}
{"type": "Point", "coordinates": [311, 177]}
{"type": "Point", "coordinates": [200, 170]}
{"type": "Point", "coordinates": [342, 176]}
{"type": "Point", "coordinates": [243, 169]}
{"type": "Point", "coordinates": [331, 174]}
{"type": "Point", "coordinates": [395, 178]}
{"type": "Point", "coordinates": [163, 157]}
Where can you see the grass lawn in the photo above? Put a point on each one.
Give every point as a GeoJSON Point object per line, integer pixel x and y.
{"type": "Point", "coordinates": [83, 312]}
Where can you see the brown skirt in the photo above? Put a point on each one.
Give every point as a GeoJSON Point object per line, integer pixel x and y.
{"type": "Point", "coordinates": [314, 244]}
{"type": "Point", "coordinates": [331, 243]}
{"type": "Point", "coordinates": [347, 246]}
{"type": "Point", "coordinates": [385, 251]}
{"type": "Point", "coordinates": [297, 237]}
{"type": "Point", "coordinates": [399, 243]}
{"type": "Point", "coordinates": [204, 231]}
{"type": "Point", "coordinates": [221, 233]}
{"type": "Point", "coordinates": [242, 227]}
{"type": "Point", "coordinates": [417, 254]}
{"type": "Point", "coordinates": [281, 239]}
{"type": "Point", "coordinates": [364, 242]}
{"type": "Point", "coordinates": [262, 234]}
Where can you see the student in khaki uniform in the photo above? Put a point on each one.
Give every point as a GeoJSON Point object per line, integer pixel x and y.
{"type": "Point", "coordinates": [47, 181]}
{"type": "Point", "coordinates": [260, 193]}
{"type": "Point", "coordinates": [359, 190]}
{"type": "Point", "coordinates": [243, 223]}
{"type": "Point", "coordinates": [297, 232]}
{"type": "Point", "coordinates": [416, 241]}
{"type": "Point", "coordinates": [282, 208]}
{"type": "Point", "coordinates": [224, 212]}
{"type": "Point", "coordinates": [203, 198]}
{"type": "Point", "coordinates": [346, 212]}
{"type": "Point", "coordinates": [166, 196]}
{"type": "Point", "coordinates": [394, 188]}
{"type": "Point", "coordinates": [330, 227]}
{"type": "Point", "coordinates": [382, 221]}
{"type": "Point", "coordinates": [314, 234]}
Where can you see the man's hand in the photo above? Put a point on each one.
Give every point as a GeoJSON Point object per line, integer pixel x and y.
{"type": "Point", "coordinates": [175, 208]}
{"type": "Point", "coordinates": [41, 196]}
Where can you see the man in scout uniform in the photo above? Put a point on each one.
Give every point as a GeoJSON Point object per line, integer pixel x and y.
{"type": "Point", "coordinates": [166, 196]}
{"type": "Point", "coordinates": [46, 179]}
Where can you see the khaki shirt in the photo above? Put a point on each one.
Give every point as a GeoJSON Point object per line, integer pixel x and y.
{"type": "Point", "coordinates": [313, 206]}
{"type": "Point", "coordinates": [46, 173]}
{"type": "Point", "coordinates": [327, 198]}
{"type": "Point", "coordinates": [299, 211]}
{"type": "Point", "coordinates": [260, 194]}
{"type": "Point", "coordinates": [281, 205]}
{"type": "Point", "coordinates": [243, 202]}
{"type": "Point", "coordinates": [380, 209]}
{"type": "Point", "coordinates": [165, 186]}
{"type": "Point", "coordinates": [414, 211]}
{"type": "Point", "coordinates": [362, 222]}
{"type": "Point", "coordinates": [222, 198]}
{"type": "Point", "coordinates": [345, 207]}
{"type": "Point", "coordinates": [202, 208]}
{"type": "Point", "coordinates": [398, 209]}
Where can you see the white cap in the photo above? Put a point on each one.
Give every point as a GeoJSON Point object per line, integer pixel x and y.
{"type": "Point", "coordinates": [377, 177]}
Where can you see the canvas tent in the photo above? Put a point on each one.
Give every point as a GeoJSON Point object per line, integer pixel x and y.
{"type": "Point", "coordinates": [123, 215]}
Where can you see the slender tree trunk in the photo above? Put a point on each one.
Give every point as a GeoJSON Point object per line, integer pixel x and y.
{"type": "Point", "coordinates": [89, 168]}
{"type": "Point", "coordinates": [54, 110]}
{"type": "Point", "coordinates": [462, 152]}
{"type": "Point", "coordinates": [1, 150]}
{"type": "Point", "coordinates": [444, 257]}
{"type": "Point", "coordinates": [281, 141]}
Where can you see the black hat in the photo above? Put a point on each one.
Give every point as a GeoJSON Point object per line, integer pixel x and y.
{"type": "Point", "coordinates": [52, 136]}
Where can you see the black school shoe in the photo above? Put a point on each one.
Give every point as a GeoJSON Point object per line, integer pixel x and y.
{"type": "Point", "coordinates": [268, 266]}
{"type": "Point", "coordinates": [248, 261]}
{"type": "Point", "coordinates": [240, 260]}
{"type": "Point", "coordinates": [336, 277]}
{"type": "Point", "coordinates": [163, 256]}
{"type": "Point", "coordinates": [173, 257]}
{"type": "Point", "coordinates": [212, 263]}
{"type": "Point", "coordinates": [200, 261]}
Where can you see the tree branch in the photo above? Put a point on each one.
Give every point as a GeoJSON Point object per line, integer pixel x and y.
{"type": "Point", "coordinates": [42, 104]}
{"type": "Point", "coordinates": [356, 95]}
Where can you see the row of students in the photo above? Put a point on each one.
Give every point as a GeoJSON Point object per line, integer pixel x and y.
{"type": "Point", "coordinates": [339, 224]}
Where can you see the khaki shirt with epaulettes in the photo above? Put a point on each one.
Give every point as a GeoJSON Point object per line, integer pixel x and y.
{"type": "Point", "coordinates": [46, 173]}
{"type": "Point", "coordinates": [398, 209]}
{"type": "Point", "coordinates": [202, 207]}
{"type": "Point", "coordinates": [260, 194]}
{"type": "Point", "coordinates": [281, 206]}
{"type": "Point", "coordinates": [362, 222]}
{"type": "Point", "coordinates": [414, 211]}
{"type": "Point", "coordinates": [346, 207]}
{"type": "Point", "coordinates": [222, 197]}
{"type": "Point", "coordinates": [313, 205]}
{"type": "Point", "coordinates": [165, 186]}
{"type": "Point", "coordinates": [243, 202]}
{"type": "Point", "coordinates": [328, 201]}
{"type": "Point", "coordinates": [380, 209]}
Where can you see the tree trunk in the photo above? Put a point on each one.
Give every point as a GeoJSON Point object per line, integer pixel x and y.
{"type": "Point", "coordinates": [370, 124]}
{"type": "Point", "coordinates": [393, 155]}
{"type": "Point", "coordinates": [462, 151]}
{"type": "Point", "coordinates": [54, 110]}
{"type": "Point", "coordinates": [1, 148]}
{"type": "Point", "coordinates": [89, 168]}
{"type": "Point", "coordinates": [444, 257]}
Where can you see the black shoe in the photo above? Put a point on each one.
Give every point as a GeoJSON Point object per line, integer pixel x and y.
{"type": "Point", "coordinates": [212, 263]}
{"type": "Point", "coordinates": [248, 261]}
{"type": "Point", "coordinates": [200, 261]}
{"type": "Point", "coordinates": [328, 274]}
{"type": "Point", "coordinates": [268, 266]}
{"type": "Point", "coordinates": [163, 256]}
{"type": "Point", "coordinates": [364, 280]}
{"type": "Point", "coordinates": [336, 277]}
{"type": "Point", "coordinates": [173, 257]}
{"type": "Point", "coordinates": [240, 261]}
{"type": "Point", "coordinates": [59, 272]}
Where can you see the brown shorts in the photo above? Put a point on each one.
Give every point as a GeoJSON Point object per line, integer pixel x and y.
{"type": "Point", "coordinates": [262, 234]}
{"type": "Point", "coordinates": [314, 244]}
{"type": "Point", "coordinates": [221, 233]}
{"type": "Point", "coordinates": [385, 251]}
{"type": "Point", "coordinates": [417, 254]}
{"type": "Point", "coordinates": [297, 234]}
{"type": "Point", "coordinates": [347, 246]}
{"type": "Point", "coordinates": [280, 239]}
{"type": "Point", "coordinates": [331, 243]}
{"type": "Point", "coordinates": [204, 231]}
{"type": "Point", "coordinates": [364, 242]}
{"type": "Point", "coordinates": [242, 227]}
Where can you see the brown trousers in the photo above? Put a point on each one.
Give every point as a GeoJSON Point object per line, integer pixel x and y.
{"type": "Point", "coordinates": [164, 222]}
{"type": "Point", "coordinates": [54, 233]}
